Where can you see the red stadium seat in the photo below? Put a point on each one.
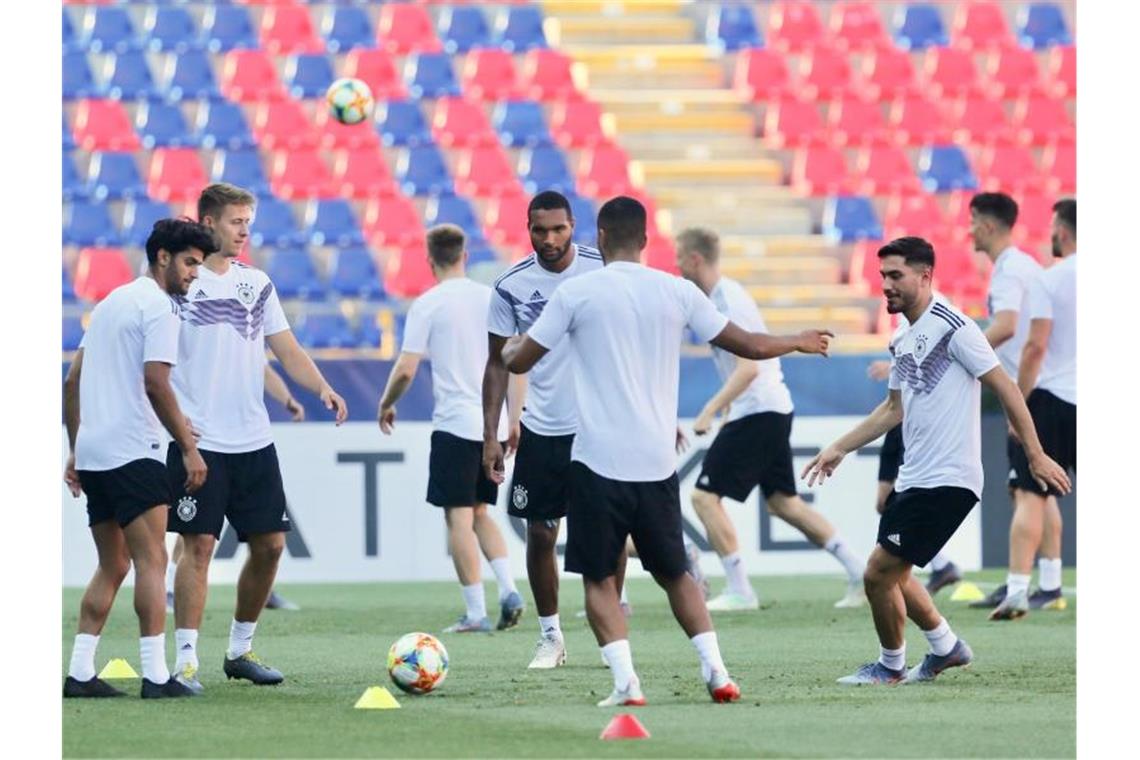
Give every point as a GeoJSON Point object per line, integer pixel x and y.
{"type": "Point", "coordinates": [405, 28]}
{"type": "Point", "coordinates": [334, 135]}
{"type": "Point", "coordinates": [604, 171]}
{"type": "Point", "coordinates": [377, 69]}
{"type": "Point", "coordinates": [794, 25]}
{"type": "Point", "coordinates": [250, 76]}
{"type": "Point", "coordinates": [886, 170]}
{"type": "Point", "coordinates": [461, 123]}
{"type": "Point", "coordinates": [296, 174]}
{"type": "Point", "coordinates": [858, 25]}
{"type": "Point", "coordinates": [660, 253]}
{"type": "Point", "coordinates": [793, 123]}
{"type": "Point", "coordinates": [103, 125]}
{"type": "Point", "coordinates": [288, 29]}
{"type": "Point", "coordinates": [577, 123]}
{"type": "Point", "coordinates": [362, 173]}
{"type": "Point", "coordinates": [1063, 71]}
{"type": "Point", "coordinates": [1059, 165]}
{"type": "Point", "coordinates": [393, 221]}
{"type": "Point", "coordinates": [175, 174]}
{"type": "Point", "coordinates": [858, 121]}
{"type": "Point", "coordinates": [762, 74]}
{"type": "Point", "coordinates": [284, 124]}
{"type": "Point", "coordinates": [98, 271]}
{"type": "Point", "coordinates": [1014, 71]}
{"type": "Point", "coordinates": [506, 222]}
{"type": "Point", "coordinates": [821, 170]}
{"type": "Point", "coordinates": [1034, 220]}
{"type": "Point", "coordinates": [864, 269]}
{"type": "Point", "coordinates": [951, 72]}
{"type": "Point", "coordinates": [1008, 169]}
{"type": "Point", "coordinates": [914, 214]}
{"type": "Point", "coordinates": [919, 120]}
{"type": "Point", "coordinates": [958, 211]}
{"type": "Point", "coordinates": [407, 272]}
{"type": "Point", "coordinates": [484, 171]}
{"type": "Point", "coordinates": [547, 75]}
{"type": "Point", "coordinates": [889, 73]}
{"type": "Point", "coordinates": [981, 120]}
{"type": "Point", "coordinates": [489, 74]}
{"type": "Point", "coordinates": [826, 73]}
{"type": "Point", "coordinates": [980, 24]}
{"type": "Point", "coordinates": [1041, 120]}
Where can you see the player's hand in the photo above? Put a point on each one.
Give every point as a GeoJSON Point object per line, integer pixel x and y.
{"type": "Point", "coordinates": [815, 341]}
{"type": "Point", "coordinates": [821, 467]}
{"type": "Point", "coordinates": [513, 440]}
{"type": "Point", "coordinates": [194, 432]}
{"type": "Point", "coordinates": [295, 409]}
{"type": "Point", "coordinates": [195, 470]}
{"type": "Point", "coordinates": [71, 477]}
{"type": "Point", "coordinates": [493, 461]}
{"type": "Point", "coordinates": [1049, 474]}
{"type": "Point", "coordinates": [682, 443]}
{"type": "Point", "coordinates": [703, 422]}
{"type": "Point", "coordinates": [333, 401]}
{"type": "Point", "coordinates": [387, 419]}
{"type": "Point", "coordinates": [879, 370]}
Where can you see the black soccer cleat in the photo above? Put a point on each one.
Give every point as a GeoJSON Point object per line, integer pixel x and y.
{"type": "Point", "coordinates": [278, 602]}
{"type": "Point", "coordinates": [95, 688]}
{"type": "Point", "coordinates": [940, 579]}
{"type": "Point", "coordinates": [996, 597]}
{"type": "Point", "coordinates": [168, 690]}
{"type": "Point", "coordinates": [250, 667]}
{"type": "Point", "coordinates": [1047, 600]}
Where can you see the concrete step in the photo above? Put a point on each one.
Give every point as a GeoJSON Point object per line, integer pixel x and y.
{"type": "Point", "coordinates": [617, 30]}
{"type": "Point", "coordinates": [817, 271]}
{"type": "Point", "coordinates": [841, 320]}
{"type": "Point", "coordinates": [702, 123]}
{"type": "Point", "coordinates": [732, 224]}
{"type": "Point", "coordinates": [611, 8]}
{"type": "Point", "coordinates": [702, 147]}
{"type": "Point", "coordinates": [802, 244]}
{"type": "Point", "coordinates": [712, 172]}
{"type": "Point", "coordinates": [733, 198]}
{"type": "Point", "coordinates": [675, 100]}
{"type": "Point", "coordinates": [694, 76]}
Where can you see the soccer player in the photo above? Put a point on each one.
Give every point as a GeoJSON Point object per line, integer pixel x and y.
{"type": "Point", "coordinates": [624, 324]}
{"type": "Point", "coordinates": [121, 377]}
{"type": "Point", "coordinates": [228, 316]}
{"type": "Point", "coordinates": [752, 447]}
{"type": "Point", "coordinates": [1048, 378]}
{"type": "Point", "coordinates": [538, 492]}
{"type": "Point", "coordinates": [447, 324]}
{"type": "Point", "coordinates": [938, 358]}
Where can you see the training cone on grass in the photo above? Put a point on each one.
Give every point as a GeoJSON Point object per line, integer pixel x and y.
{"type": "Point", "coordinates": [967, 592]}
{"type": "Point", "coordinates": [624, 726]}
{"type": "Point", "coordinates": [377, 698]}
{"type": "Point", "coordinates": [118, 668]}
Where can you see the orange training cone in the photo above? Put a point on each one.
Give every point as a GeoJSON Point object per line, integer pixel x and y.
{"type": "Point", "coordinates": [624, 726]}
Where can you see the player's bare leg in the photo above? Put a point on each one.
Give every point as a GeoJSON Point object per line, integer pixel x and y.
{"type": "Point", "coordinates": [688, 605]}
{"type": "Point", "coordinates": [145, 537]}
{"type": "Point", "coordinates": [495, 550]}
{"type": "Point", "coordinates": [114, 564]}
{"type": "Point", "coordinates": [464, 547]}
{"type": "Point", "coordinates": [253, 587]}
{"type": "Point", "coordinates": [190, 584]}
{"type": "Point", "coordinates": [1025, 533]}
{"type": "Point", "coordinates": [542, 572]}
{"type": "Point", "coordinates": [611, 631]}
{"type": "Point", "coordinates": [738, 594]}
{"type": "Point", "coordinates": [1048, 594]}
{"type": "Point", "coordinates": [946, 649]}
{"type": "Point", "coordinates": [795, 511]}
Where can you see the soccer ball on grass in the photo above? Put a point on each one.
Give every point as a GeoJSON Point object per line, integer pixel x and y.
{"type": "Point", "coordinates": [417, 663]}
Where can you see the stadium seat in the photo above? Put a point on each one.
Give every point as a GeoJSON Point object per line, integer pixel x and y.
{"type": "Point", "coordinates": [114, 176]}
{"type": "Point", "coordinates": [333, 134]}
{"type": "Point", "coordinates": [518, 28]}
{"type": "Point", "coordinates": [886, 170]}
{"type": "Point", "coordinates": [958, 212]}
{"type": "Point", "coordinates": [489, 74]}
{"type": "Point", "coordinates": [100, 270]}
{"type": "Point", "coordinates": [73, 185]}
{"type": "Point", "coordinates": [849, 218]}
{"type": "Point", "coordinates": [170, 29]}
{"type": "Point", "coordinates": [918, 120]}
{"type": "Point", "coordinates": [794, 26]}
{"type": "Point", "coordinates": [826, 73]}
{"type": "Point", "coordinates": [858, 26]}
{"type": "Point", "coordinates": [332, 222]}
{"type": "Point", "coordinates": [283, 124]}
{"type": "Point", "coordinates": [1059, 165]}
{"type": "Point", "coordinates": [430, 75]}
{"type": "Point", "coordinates": [407, 273]}
{"type": "Point", "coordinates": [353, 274]}
{"type": "Point", "coordinates": [919, 26]}
{"type": "Point", "coordinates": [980, 24]}
{"type": "Point", "coordinates": [731, 27]}
{"type": "Point", "coordinates": [108, 29]}
{"type": "Point", "coordinates": [1034, 219]}
{"type": "Point", "coordinates": [520, 123]}
{"type": "Point", "coordinates": [585, 219]}
{"type": "Point", "coordinates": [457, 210]}
{"type": "Point", "coordinates": [78, 81]}
{"type": "Point", "coordinates": [480, 252]}
{"type": "Point", "coordinates": [175, 174]}
{"type": "Point", "coordinates": [1013, 72]}
{"type": "Point", "coordinates": [294, 276]}
{"type": "Point", "coordinates": [914, 214]}
{"type": "Point", "coordinates": [547, 76]}
{"type": "Point", "coordinates": [421, 170]}
{"type": "Point", "coordinates": [858, 121]}
{"type": "Point", "coordinates": [889, 73]}
{"type": "Point", "coordinates": [506, 222]}
{"type": "Point", "coordinates": [162, 125]}
{"type": "Point", "coordinates": [463, 27]}
{"type": "Point", "coordinates": [577, 123]}
{"type": "Point", "coordinates": [221, 124]}
{"type": "Point", "coordinates": [1042, 25]}
{"type": "Point", "coordinates": [308, 75]}
{"type": "Point", "coordinates": [458, 122]}
{"type": "Point", "coordinates": [139, 216]}
{"type": "Point", "coordinates": [362, 172]}
{"type": "Point", "coordinates": [274, 224]}
{"type": "Point", "coordinates": [288, 29]}
{"type": "Point", "coordinates": [405, 28]}
{"type": "Point", "coordinates": [1008, 168]}
{"type": "Point", "coordinates": [981, 120]}
{"type": "Point", "coordinates": [377, 69]}
{"type": "Point", "coordinates": [950, 72]}
{"type": "Point", "coordinates": [543, 167]}
{"type": "Point", "coordinates": [103, 125]}
{"type": "Point", "coordinates": [393, 221]}
{"type": "Point", "coordinates": [604, 171]}
{"type": "Point", "coordinates": [190, 75]}
{"type": "Point", "coordinates": [69, 143]}
{"type": "Point", "coordinates": [401, 122]}
{"type": "Point", "coordinates": [761, 74]}
{"type": "Point", "coordinates": [1063, 71]}
{"type": "Point", "coordinates": [296, 174]}
{"type": "Point", "coordinates": [240, 167]}
{"type": "Point", "coordinates": [70, 38]}
{"type": "Point", "coordinates": [485, 171]}
{"type": "Point", "coordinates": [68, 290]}
{"type": "Point", "coordinates": [325, 330]}
{"type": "Point", "coordinates": [792, 122]}
{"type": "Point", "coordinates": [227, 27]}
{"type": "Point", "coordinates": [250, 76]}
{"type": "Point", "coordinates": [345, 27]}
{"type": "Point", "coordinates": [820, 170]}
{"type": "Point", "coordinates": [87, 223]}
{"type": "Point", "coordinates": [382, 329]}
{"type": "Point", "coordinates": [945, 167]}
{"type": "Point", "coordinates": [127, 75]}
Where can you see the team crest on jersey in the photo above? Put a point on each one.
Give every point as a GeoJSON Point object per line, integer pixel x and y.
{"type": "Point", "coordinates": [519, 497]}
{"type": "Point", "coordinates": [246, 294]}
{"type": "Point", "coordinates": [919, 346]}
{"type": "Point", "coordinates": [187, 508]}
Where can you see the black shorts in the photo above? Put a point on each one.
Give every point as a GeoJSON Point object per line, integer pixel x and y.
{"type": "Point", "coordinates": [124, 493]}
{"type": "Point", "coordinates": [539, 487]}
{"type": "Point", "coordinates": [917, 523]}
{"type": "Point", "coordinates": [753, 450]}
{"type": "Point", "coordinates": [891, 455]}
{"type": "Point", "coordinates": [455, 473]}
{"type": "Point", "coordinates": [1056, 423]}
{"type": "Point", "coordinates": [603, 512]}
{"type": "Point", "coordinates": [244, 488]}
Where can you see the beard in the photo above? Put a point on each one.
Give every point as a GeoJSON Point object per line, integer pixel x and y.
{"type": "Point", "coordinates": [1057, 254]}
{"type": "Point", "coordinates": [556, 255]}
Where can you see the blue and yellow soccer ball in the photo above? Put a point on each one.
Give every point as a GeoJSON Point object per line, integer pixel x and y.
{"type": "Point", "coordinates": [350, 100]}
{"type": "Point", "coordinates": [417, 663]}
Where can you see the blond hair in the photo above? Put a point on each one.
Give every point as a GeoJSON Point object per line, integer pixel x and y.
{"type": "Point", "coordinates": [219, 195]}
{"type": "Point", "coordinates": [701, 241]}
{"type": "Point", "coordinates": [445, 243]}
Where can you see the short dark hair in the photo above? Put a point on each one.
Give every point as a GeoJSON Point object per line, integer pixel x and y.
{"type": "Point", "coordinates": [445, 245]}
{"type": "Point", "coordinates": [914, 250]}
{"type": "Point", "coordinates": [1066, 211]}
{"type": "Point", "coordinates": [221, 194]}
{"type": "Point", "coordinates": [624, 220]}
{"type": "Point", "coordinates": [549, 200]}
{"type": "Point", "coordinates": [177, 235]}
{"type": "Point", "coordinates": [997, 205]}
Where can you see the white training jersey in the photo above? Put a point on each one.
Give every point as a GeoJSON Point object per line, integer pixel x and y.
{"type": "Point", "coordinates": [1055, 297]}
{"type": "Point", "coordinates": [519, 296]}
{"type": "Point", "coordinates": [624, 325]}
{"type": "Point", "coordinates": [220, 377]}
{"type": "Point", "coordinates": [448, 326]}
{"type": "Point", "coordinates": [767, 393]}
{"type": "Point", "coordinates": [935, 364]}
{"type": "Point", "coordinates": [1013, 275]}
{"type": "Point", "coordinates": [135, 324]}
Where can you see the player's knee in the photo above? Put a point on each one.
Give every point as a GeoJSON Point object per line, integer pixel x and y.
{"type": "Point", "coordinates": [199, 550]}
{"type": "Point", "coordinates": [115, 570]}
{"type": "Point", "coordinates": [267, 548]}
{"type": "Point", "coordinates": [540, 535]}
{"type": "Point", "coordinates": [704, 501]}
{"type": "Point", "coordinates": [782, 506]}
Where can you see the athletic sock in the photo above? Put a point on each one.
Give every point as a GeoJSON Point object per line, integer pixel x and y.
{"type": "Point", "coordinates": [1049, 574]}
{"type": "Point", "coordinates": [620, 658]}
{"type": "Point", "coordinates": [941, 639]}
{"type": "Point", "coordinates": [1015, 583]}
{"type": "Point", "coordinates": [152, 652]}
{"type": "Point", "coordinates": [709, 652]}
{"type": "Point", "coordinates": [735, 576]}
{"type": "Point", "coordinates": [939, 563]}
{"type": "Point", "coordinates": [502, 568]}
{"type": "Point", "coordinates": [185, 648]}
{"type": "Point", "coordinates": [475, 600]}
{"type": "Point", "coordinates": [852, 564]}
{"type": "Point", "coordinates": [549, 625]}
{"type": "Point", "coordinates": [241, 638]}
{"type": "Point", "coordinates": [171, 568]}
{"type": "Point", "coordinates": [82, 666]}
{"type": "Point", "coordinates": [895, 659]}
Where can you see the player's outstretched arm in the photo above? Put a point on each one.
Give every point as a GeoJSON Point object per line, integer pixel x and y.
{"type": "Point", "coordinates": [275, 386]}
{"type": "Point", "coordinates": [496, 378]}
{"type": "Point", "coordinates": [1045, 471]}
{"type": "Point", "coordinates": [303, 370]}
{"type": "Point", "coordinates": [884, 417]}
{"type": "Point", "coordinates": [71, 420]}
{"type": "Point", "coordinates": [521, 353]}
{"type": "Point", "coordinates": [156, 381]}
{"type": "Point", "coordinates": [750, 345]}
{"type": "Point", "coordinates": [399, 380]}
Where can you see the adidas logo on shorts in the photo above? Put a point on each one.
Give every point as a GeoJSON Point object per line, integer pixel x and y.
{"type": "Point", "coordinates": [894, 539]}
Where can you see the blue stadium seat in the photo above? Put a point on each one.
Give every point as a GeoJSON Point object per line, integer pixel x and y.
{"type": "Point", "coordinates": [430, 75]}
{"type": "Point", "coordinates": [78, 81]}
{"type": "Point", "coordinates": [732, 27]}
{"type": "Point", "coordinates": [130, 77]}
{"type": "Point", "coordinates": [945, 167]}
{"type": "Point", "coordinates": [421, 170]}
{"type": "Point", "coordinates": [293, 275]}
{"type": "Point", "coordinates": [401, 122]}
{"type": "Point", "coordinates": [325, 330]}
{"type": "Point", "coordinates": [518, 28]}
{"type": "Point", "coordinates": [308, 75]}
{"type": "Point", "coordinates": [72, 331]}
{"type": "Point", "coordinates": [162, 125]}
{"type": "Point", "coordinates": [226, 27]}
{"type": "Point", "coordinates": [462, 27]}
{"type": "Point", "coordinates": [850, 218]}
{"type": "Point", "coordinates": [191, 76]}
{"type": "Point", "coordinates": [585, 219]}
{"type": "Point", "coordinates": [274, 224]}
{"type": "Point", "coordinates": [68, 138]}
{"type": "Point", "coordinates": [240, 167]}
{"type": "Point", "coordinates": [520, 124]}
{"type": "Point", "coordinates": [919, 26]}
{"type": "Point", "coordinates": [454, 209]}
{"type": "Point", "coordinates": [332, 222]}
{"type": "Point", "coordinates": [68, 288]}
{"type": "Point", "coordinates": [114, 176]}
{"type": "Point", "coordinates": [139, 217]}
{"type": "Point", "coordinates": [380, 324]}
{"type": "Point", "coordinates": [222, 124]}
{"type": "Point", "coordinates": [170, 29]}
{"type": "Point", "coordinates": [346, 27]}
{"type": "Point", "coordinates": [544, 168]}
{"type": "Point", "coordinates": [479, 251]}
{"type": "Point", "coordinates": [353, 274]}
{"type": "Point", "coordinates": [73, 185]}
{"type": "Point", "coordinates": [70, 38]}
{"type": "Point", "coordinates": [1042, 25]}
{"type": "Point", "coordinates": [108, 29]}
{"type": "Point", "coordinates": [87, 223]}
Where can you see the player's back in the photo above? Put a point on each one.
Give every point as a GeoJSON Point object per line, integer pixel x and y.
{"type": "Point", "coordinates": [1013, 277]}
{"type": "Point", "coordinates": [1056, 299]}
{"type": "Point", "coordinates": [766, 393]}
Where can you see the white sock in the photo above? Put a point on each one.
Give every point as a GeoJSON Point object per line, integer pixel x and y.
{"type": "Point", "coordinates": [852, 564]}
{"type": "Point", "coordinates": [622, 598]}
{"type": "Point", "coordinates": [185, 648]}
{"type": "Point", "coordinates": [895, 659]}
{"type": "Point", "coordinates": [82, 666]}
{"type": "Point", "coordinates": [241, 638]}
{"type": "Point", "coordinates": [620, 659]}
{"type": "Point", "coordinates": [152, 652]}
{"type": "Point", "coordinates": [502, 568]}
{"type": "Point", "coordinates": [550, 625]}
{"type": "Point", "coordinates": [1049, 574]}
{"type": "Point", "coordinates": [735, 576]}
{"type": "Point", "coordinates": [709, 652]}
{"type": "Point", "coordinates": [1015, 583]}
{"type": "Point", "coordinates": [171, 567]}
{"type": "Point", "coordinates": [475, 600]}
{"type": "Point", "coordinates": [941, 639]}
{"type": "Point", "coordinates": [939, 562]}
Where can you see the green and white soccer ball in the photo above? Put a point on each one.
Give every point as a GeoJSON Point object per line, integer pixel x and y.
{"type": "Point", "coordinates": [350, 100]}
{"type": "Point", "coordinates": [417, 663]}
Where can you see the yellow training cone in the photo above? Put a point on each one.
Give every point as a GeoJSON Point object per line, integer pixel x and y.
{"type": "Point", "coordinates": [377, 698]}
{"type": "Point", "coordinates": [118, 668]}
{"type": "Point", "coordinates": [967, 592]}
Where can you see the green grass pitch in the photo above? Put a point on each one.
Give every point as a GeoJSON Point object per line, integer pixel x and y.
{"type": "Point", "coordinates": [1018, 699]}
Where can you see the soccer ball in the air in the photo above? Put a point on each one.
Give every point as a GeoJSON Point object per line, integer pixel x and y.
{"type": "Point", "coordinates": [350, 100]}
{"type": "Point", "coordinates": [417, 663]}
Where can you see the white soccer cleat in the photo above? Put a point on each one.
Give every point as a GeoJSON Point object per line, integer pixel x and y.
{"type": "Point", "coordinates": [549, 654]}
{"type": "Point", "coordinates": [855, 597]}
{"type": "Point", "coordinates": [630, 696]}
{"type": "Point", "coordinates": [730, 601]}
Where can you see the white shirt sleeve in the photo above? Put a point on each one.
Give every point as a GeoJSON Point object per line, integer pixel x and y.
{"type": "Point", "coordinates": [1040, 304]}
{"type": "Point", "coordinates": [894, 383]}
{"type": "Point", "coordinates": [160, 326]}
{"type": "Point", "coordinates": [1006, 293]}
{"type": "Point", "coordinates": [500, 316]}
{"type": "Point", "coordinates": [970, 348]}
{"type": "Point", "coordinates": [417, 329]}
{"type": "Point", "coordinates": [556, 320]}
{"type": "Point", "coordinates": [275, 320]}
{"type": "Point", "coordinates": [701, 315]}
